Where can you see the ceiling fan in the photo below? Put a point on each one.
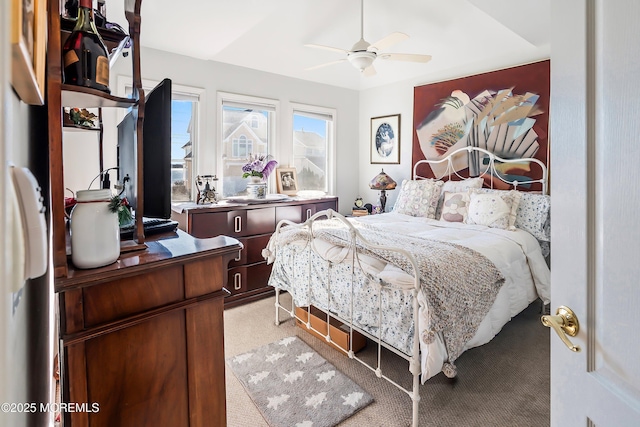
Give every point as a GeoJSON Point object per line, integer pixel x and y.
{"type": "Point", "coordinates": [362, 54]}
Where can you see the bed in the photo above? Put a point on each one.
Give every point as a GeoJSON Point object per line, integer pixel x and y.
{"type": "Point", "coordinates": [442, 273]}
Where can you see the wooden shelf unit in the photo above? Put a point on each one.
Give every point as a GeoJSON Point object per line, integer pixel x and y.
{"type": "Point", "coordinates": [61, 95]}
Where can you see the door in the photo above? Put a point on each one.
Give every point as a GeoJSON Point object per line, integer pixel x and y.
{"type": "Point", "coordinates": [595, 191]}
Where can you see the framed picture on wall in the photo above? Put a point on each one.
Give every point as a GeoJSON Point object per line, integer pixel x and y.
{"type": "Point", "coordinates": [287, 181]}
{"type": "Point", "coordinates": [28, 50]}
{"type": "Point", "coordinates": [385, 139]}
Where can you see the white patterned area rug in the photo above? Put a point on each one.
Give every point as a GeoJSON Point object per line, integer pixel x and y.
{"type": "Point", "coordinates": [293, 386]}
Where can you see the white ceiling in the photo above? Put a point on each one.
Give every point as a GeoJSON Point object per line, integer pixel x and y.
{"type": "Point", "coordinates": [269, 35]}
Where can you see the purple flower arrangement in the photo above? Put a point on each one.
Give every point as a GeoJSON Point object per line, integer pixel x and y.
{"type": "Point", "coordinates": [260, 166]}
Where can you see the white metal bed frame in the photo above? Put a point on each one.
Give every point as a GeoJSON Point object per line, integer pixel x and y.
{"type": "Point", "coordinates": [490, 167]}
{"type": "Point", "coordinates": [355, 237]}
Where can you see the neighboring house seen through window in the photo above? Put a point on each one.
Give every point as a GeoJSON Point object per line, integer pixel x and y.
{"type": "Point", "coordinates": [184, 113]}
{"type": "Point", "coordinates": [248, 128]}
{"type": "Point", "coordinates": [242, 146]}
{"type": "Point", "coordinates": [313, 136]}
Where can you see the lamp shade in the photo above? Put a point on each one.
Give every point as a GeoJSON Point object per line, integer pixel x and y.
{"type": "Point", "coordinates": [361, 59]}
{"type": "Point", "coordinates": [382, 181]}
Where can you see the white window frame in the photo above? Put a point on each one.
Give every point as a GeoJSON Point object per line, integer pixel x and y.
{"type": "Point", "coordinates": [228, 98]}
{"type": "Point", "coordinates": [321, 112]}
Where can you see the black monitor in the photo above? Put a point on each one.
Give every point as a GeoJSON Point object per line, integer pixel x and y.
{"type": "Point", "coordinates": [156, 152]}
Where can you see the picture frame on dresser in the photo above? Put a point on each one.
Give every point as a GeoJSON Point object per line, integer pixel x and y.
{"type": "Point", "coordinates": [28, 49]}
{"type": "Point", "coordinates": [287, 181]}
{"type": "Point", "coordinates": [385, 140]}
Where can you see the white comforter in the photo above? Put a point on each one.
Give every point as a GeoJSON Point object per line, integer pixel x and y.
{"type": "Point", "coordinates": [516, 254]}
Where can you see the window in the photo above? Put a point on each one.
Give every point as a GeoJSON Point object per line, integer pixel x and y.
{"type": "Point", "coordinates": [242, 146]}
{"type": "Point", "coordinates": [247, 128]}
{"type": "Point", "coordinates": [313, 148]}
{"type": "Point", "coordinates": [184, 109]}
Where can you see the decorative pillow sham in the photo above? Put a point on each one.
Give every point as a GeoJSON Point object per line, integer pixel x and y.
{"type": "Point", "coordinates": [457, 187]}
{"type": "Point", "coordinates": [533, 214]}
{"type": "Point", "coordinates": [418, 198]}
{"type": "Point", "coordinates": [495, 210]}
{"type": "Point", "coordinates": [455, 206]}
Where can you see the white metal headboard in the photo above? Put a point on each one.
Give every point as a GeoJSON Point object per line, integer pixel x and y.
{"type": "Point", "coordinates": [489, 168]}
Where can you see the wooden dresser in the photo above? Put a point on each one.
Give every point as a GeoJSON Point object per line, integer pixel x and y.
{"type": "Point", "coordinates": [252, 225]}
{"type": "Point", "coordinates": [143, 338]}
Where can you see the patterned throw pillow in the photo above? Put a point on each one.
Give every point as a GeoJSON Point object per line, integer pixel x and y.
{"type": "Point", "coordinates": [418, 198]}
{"type": "Point", "coordinates": [533, 213]}
{"type": "Point", "coordinates": [495, 210]}
{"type": "Point", "coordinates": [456, 187]}
{"type": "Point", "coordinates": [455, 206]}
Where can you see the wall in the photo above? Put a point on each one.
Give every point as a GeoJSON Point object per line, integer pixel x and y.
{"type": "Point", "coordinates": [398, 99]}
{"type": "Point", "coordinates": [213, 77]}
{"type": "Point", "coordinates": [384, 101]}
{"type": "Point", "coordinates": [26, 342]}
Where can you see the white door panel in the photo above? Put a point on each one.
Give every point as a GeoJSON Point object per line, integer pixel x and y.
{"type": "Point", "coordinates": [595, 190]}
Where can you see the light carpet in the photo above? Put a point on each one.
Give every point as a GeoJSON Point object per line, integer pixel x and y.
{"type": "Point", "coordinates": [502, 383]}
{"type": "Point", "coordinates": [292, 385]}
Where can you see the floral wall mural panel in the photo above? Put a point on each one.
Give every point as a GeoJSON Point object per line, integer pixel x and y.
{"type": "Point", "coordinates": [504, 112]}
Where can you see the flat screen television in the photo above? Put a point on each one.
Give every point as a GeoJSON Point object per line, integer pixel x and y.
{"type": "Point", "coordinates": [156, 146]}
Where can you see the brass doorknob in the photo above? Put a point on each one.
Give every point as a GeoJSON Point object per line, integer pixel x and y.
{"type": "Point", "coordinates": [564, 323]}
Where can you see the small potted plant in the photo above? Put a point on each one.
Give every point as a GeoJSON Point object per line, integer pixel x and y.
{"type": "Point", "coordinates": [257, 169]}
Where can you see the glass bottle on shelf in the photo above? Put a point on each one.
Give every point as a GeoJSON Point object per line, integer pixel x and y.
{"type": "Point", "coordinates": [84, 55]}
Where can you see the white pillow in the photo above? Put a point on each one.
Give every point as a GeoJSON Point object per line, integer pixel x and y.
{"type": "Point", "coordinates": [465, 184]}
{"type": "Point", "coordinates": [455, 206]}
{"type": "Point", "coordinates": [456, 187]}
{"type": "Point", "coordinates": [533, 215]}
{"type": "Point", "coordinates": [418, 198]}
{"type": "Point", "coordinates": [495, 210]}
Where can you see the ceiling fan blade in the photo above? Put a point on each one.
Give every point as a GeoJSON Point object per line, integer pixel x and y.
{"type": "Point", "coordinates": [369, 71]}
{"type": "Point", "coordinates": [389, 40]}
{"type": "Point", "coordinates": [326, 64]}
{"type": "Point", "coordinates": [332, 49]}
{"type": "Point", "coordinates": [412, 57]}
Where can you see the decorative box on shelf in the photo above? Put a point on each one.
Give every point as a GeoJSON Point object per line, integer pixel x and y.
{"type": "Point", "coordinates": [359, 212]}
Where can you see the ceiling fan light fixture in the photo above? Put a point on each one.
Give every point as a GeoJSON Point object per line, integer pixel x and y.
{"type": "Point", "coordinates": [361, 59]}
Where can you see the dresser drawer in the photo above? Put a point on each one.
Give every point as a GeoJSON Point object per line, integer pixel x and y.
{"type": "Point", "coordinates": [128, 296]}
{"type": "Point", "coordinates": [211, 224]}
{"type": "Point", "coordinates": [248, 278]}
{"type": "Point", "coordinates": [234, 223]}
{"type": "Point", "coordinates": [301, 213]}
{"type": "Point", "coordinates": [312, 208]}
{"type": "Point", "coordinates": [252, 251]}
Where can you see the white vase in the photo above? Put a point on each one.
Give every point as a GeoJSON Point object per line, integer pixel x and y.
{"type": "Point", "coordinates": [257, 190]}
{"type": "Point", "coordinates": [95, 232]}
